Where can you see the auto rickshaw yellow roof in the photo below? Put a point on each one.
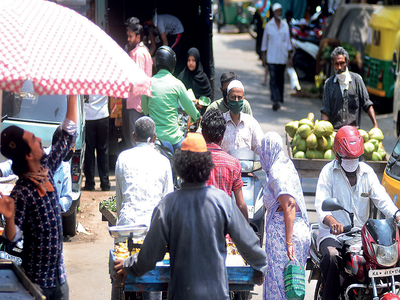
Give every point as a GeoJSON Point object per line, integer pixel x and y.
{"type": "Point", "coordinates": [387, 17]}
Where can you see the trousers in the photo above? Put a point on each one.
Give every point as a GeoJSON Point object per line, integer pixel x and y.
{"type": "Point", "coordinates": [277, 80]}
{"type": "Point", "coordinates": [331, 265]}
{"type": "Point", "coordinates": [97, 140]}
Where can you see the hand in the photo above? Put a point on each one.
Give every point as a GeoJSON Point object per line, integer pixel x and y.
{"type": "Point", "coordinates": [119, 270]}
{"type": "Point", "coordinates": [290, 252]}
{"type": "Point", "coordinates": [258, 277]}
{"type": "Point", "coordinates": [290, 61]}
{"type": "Point", "coordinates": [336, 228]}
{"type": "Point", "coordinates": [7, 206]}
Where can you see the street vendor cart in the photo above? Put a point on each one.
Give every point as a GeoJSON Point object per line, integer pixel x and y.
{"type": "Point", "coordinates": [240, 276]}
{"type": "Point", "coordinates": [310, 168]}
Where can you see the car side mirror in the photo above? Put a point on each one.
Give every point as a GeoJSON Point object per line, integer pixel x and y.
{"type": "Point", "coordinates": [331, 204]}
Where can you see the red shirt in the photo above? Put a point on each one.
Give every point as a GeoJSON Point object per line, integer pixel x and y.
{"type": "Point", "coordinates": [226, 174]}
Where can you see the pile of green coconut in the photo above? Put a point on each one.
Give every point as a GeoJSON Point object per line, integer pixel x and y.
{"type": "Point", "coordinates": [315, 140]}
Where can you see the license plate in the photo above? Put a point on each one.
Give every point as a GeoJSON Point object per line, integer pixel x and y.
{"type": "Point", "coordinates": [384, 273]}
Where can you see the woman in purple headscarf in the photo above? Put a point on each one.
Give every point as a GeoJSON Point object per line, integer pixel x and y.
{"type": "Point", "coordinates": [287, 228]}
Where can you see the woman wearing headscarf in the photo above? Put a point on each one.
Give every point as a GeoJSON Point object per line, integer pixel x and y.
{"type": "Point", "coordinates": [193, 76]}
{"type": "Point", "coordinates": [287, 228]}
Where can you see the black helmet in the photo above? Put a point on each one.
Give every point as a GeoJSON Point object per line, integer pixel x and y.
{"type": "Point", "coordinates": [165, 59]}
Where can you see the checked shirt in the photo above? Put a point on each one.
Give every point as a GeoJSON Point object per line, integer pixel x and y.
{"type": "Point", "coordinates": [226, 174]}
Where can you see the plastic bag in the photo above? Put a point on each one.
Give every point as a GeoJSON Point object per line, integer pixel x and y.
{"type": "Point", "coordinates": [295, 281]}
{"type": "Point", "coordinates": [294, 81]}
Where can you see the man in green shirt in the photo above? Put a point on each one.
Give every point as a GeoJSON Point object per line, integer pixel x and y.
{"type": "Point", "coordinates": [167, 92]}
{"type": "Point", "coordinates": [222, 104]}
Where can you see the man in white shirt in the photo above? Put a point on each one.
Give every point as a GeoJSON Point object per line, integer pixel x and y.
{"type": "Point", "coordinates": [143, 176]}
{"type": "Point", "coordinates": [242, 130]}
{"type": "Point", "coordinates": [276, 49]}
{"type": "Point", "coordinates": [357, 184]}
{"type": "Point", "coordinates": [97, 126]}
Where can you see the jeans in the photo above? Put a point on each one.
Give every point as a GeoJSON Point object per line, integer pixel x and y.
{"type": "Point", "coordinates": [97, 140]}
{"type": "Point", "coordinates": [277, 81]}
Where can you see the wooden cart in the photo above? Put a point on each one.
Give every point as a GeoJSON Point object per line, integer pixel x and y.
{"type": "Point", "coordinates": [310, 168]}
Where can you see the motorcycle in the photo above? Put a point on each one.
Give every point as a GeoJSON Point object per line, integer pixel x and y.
{"type": "Point", "coordinates": [370, 255]}
{"type": "Point", "coordinates": [252, 189]}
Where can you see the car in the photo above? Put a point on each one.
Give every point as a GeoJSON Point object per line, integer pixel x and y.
{"type": "Point", "coordinates": [41, 115]}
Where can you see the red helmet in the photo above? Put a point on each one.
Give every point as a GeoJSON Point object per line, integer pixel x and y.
{"type": "Point", "coordinates": [348, 142]}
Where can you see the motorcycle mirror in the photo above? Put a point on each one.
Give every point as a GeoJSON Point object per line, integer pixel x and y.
{"type": "Point", "coordinates": [331, 204]}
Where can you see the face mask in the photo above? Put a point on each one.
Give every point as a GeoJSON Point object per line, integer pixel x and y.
{"type": "Point", "coordinates": [350, 165]}
{"type": "Point", "coordinates": [278, 17]}
{"type": "Point", "coordinates": [235, 106]}
{"type": "Point", "coordinates": [68, 156]}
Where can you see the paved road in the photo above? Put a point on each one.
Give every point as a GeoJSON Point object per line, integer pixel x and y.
{"type": "Point", "coordinates": [87, 263]}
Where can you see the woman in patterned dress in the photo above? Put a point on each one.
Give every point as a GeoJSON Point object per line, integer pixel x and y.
{"type": "Point", "coordinates": [287, 228]}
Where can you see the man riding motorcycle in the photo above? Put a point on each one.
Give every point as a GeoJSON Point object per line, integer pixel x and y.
{"type": "Point", "coordinates": [167, 93]}
{"type": "Point", "coordinates": [353, 183]}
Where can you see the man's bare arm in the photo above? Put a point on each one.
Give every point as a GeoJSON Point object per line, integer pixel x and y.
{"type": "Point", "coordinates": [324, 116]}
{"type": "Point", "coordinates": [371, 115]}
{"type": "Point", "coordinates": [240, 202]}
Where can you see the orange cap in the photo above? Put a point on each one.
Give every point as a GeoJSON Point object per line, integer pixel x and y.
{"type": "Point", "coordinates": [194, 142]}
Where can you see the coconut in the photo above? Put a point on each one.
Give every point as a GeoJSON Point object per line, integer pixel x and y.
{"type": "Point", "coordinates": [329, 154]}
{"type": "Point", "coordinates": [364, 135]}
{"type": "Point", "coordinates": [300, 154]}
{"type": "Point", "coordinates": [369, 148]}
{"type": "Point", "coordinates": [311, 154]}
{"type": "Point", "coordinates": [330, 139]}
{"type": "Point", "coordinates": [304, 131]}
{"type": "Point", "coordinates": [376, 133]}
{"type": "Point", "coordinates": [290, 129]}
{"type": "Point", "coordinates": [376, 156]}
{"type": "Point", "coordinates": [306, 122]}
{"type": "Point", "coordinates": [375, 143]}
{"type": "Point", "coordinates": [312, 141]}
{"type": "Point", "coordinates": [323, 128]}
{"type": "Point", "coordinates": [301, 144]}
{"type": "Point", "coordinates": [322, 143]}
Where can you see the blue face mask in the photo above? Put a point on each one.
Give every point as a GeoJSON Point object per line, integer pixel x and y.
{"type": "Point", "coordinates": [235, 106]}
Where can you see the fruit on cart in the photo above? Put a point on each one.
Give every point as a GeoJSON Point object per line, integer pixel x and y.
{"type": "Point", "coordinates": [364, 135]}
{"type": "Point", "coordinates": [306, 122]}
{"type": "Point", "coordinates": [301, 144]}
{"type": "Point", "coordinates": [312, 141]}
{"type": "Point", "coordinates": [369, 148]}
{"type": "Point", "coordinates": [323, 128]}
{"type": "Point", "coordinates": [376, 133]}
{"type": "Point", "coordinates": [299, 154]}
{"type": "Point", "coordinates": [291, 128]}
{"type": "Point", "coordinates": [322, 144]}
{"type": "Point", "coordinates": [304, 130]}
{"type": "Point", "coordinates": [329, 154]}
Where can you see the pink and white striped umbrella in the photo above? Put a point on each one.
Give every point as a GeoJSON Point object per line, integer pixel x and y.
{"type": "Point", "coordinates": [62, 52]}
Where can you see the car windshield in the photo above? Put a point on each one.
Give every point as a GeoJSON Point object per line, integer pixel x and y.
{"type": "Point", "coordinates": [29, 107]}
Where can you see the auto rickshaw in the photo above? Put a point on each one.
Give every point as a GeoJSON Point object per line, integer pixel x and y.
{"type": "Point", "coordinates": [233, 12]}
{"type": "Point", "coordinates": [391, 175]}
{"type": "Point", "coordinates": [383, 38]}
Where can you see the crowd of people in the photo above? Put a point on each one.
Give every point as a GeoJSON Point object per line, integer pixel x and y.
{"type": "Point", "coordinates": [202, 211]}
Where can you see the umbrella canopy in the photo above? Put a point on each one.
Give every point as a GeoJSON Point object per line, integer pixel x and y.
{"type": "Point", "coordinates": [62, 52]}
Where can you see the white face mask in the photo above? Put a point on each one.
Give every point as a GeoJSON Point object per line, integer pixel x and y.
{"type": "Point", "coordinates": [350, 165]}
{"type": "Point", "coordinates": [278, 17]}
